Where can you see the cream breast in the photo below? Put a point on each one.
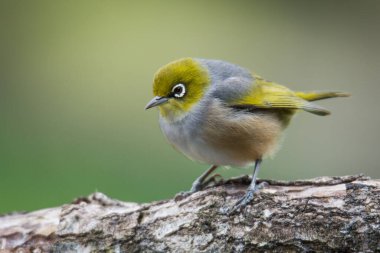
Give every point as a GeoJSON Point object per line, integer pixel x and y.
{"type": "Point", "coordinates": [225, 136]}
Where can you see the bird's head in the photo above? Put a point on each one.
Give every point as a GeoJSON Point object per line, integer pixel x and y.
{"type": "Point", "coordinates": [178, 86]}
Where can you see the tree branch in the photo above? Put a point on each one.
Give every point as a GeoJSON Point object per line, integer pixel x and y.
{"type": "Point", "coordinates": [328, 214]}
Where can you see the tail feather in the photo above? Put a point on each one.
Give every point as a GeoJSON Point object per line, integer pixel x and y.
{"type": "Point", "coordinates": [312, 96]}
{"type": "Point", "coordinates": [315, 109]}
{"type": "Point", "coordinates": [316, 95]}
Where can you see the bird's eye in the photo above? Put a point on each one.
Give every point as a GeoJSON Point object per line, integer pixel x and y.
{"type": "Point", "coordinates": [179, 90]}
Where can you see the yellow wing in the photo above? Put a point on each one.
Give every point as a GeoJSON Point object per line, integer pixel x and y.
{"type": "Point", "coordinates": [266, 94]}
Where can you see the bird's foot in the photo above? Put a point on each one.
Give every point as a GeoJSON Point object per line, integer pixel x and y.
{"type": "Point", "coordinates": [216, 179]}
{"type": "Point", "coordinates": [198, 186]}
{"type": "Point", "coordinates": [248, 197]}
{"type": "Point", "coordinates": [181, 195]}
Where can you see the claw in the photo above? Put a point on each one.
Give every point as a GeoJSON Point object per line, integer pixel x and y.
{"type": "Point", "coordinates": [199, 182]}
{"type": "Point", "coordinates": [243, 202]}
{"type": "Point", "coordinates": [262, 185]}
{"type": "Point", "coordinates": [181, 195]}
{"type": "Point", "coordinates": [246, 199]}
{"type": "Point", "coordinates": [213, 179]}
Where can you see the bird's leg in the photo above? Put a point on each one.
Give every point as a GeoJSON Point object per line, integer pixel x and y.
{"type": "Point", "coordinates": [198, 184]}
{"type": "Point", "coordinates": [252, 188]}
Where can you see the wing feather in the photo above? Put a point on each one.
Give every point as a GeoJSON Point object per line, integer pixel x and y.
{"type": "Point", "coordinates": [266, 94]}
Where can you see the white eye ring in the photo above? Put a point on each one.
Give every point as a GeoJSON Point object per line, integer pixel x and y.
{"type": "Point", "coordinates": [178, 93]}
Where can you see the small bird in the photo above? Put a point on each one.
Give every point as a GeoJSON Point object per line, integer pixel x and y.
{"type": "Point", "coordinates": [221, 114]}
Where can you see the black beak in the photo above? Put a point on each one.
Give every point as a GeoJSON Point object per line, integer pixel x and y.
{"type": "Point", "coordinates": [156, 101]}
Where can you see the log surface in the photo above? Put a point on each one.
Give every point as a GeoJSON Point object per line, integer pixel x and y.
{"type": "Point", "coordinates": [327, 214]}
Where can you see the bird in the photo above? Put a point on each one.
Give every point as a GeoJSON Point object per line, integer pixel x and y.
{"type": "Point", "coordinates": [221, 114]}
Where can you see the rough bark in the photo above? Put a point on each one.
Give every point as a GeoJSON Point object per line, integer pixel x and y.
{"type": "Point", "coordinates": [328, 214]}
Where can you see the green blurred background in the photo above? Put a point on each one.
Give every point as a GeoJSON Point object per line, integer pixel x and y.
{"type": "Point", "coordinates": [76, 75]}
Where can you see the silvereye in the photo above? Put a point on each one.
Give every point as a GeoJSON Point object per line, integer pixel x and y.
{"type": "Point", "coordinates": [221, 114]}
